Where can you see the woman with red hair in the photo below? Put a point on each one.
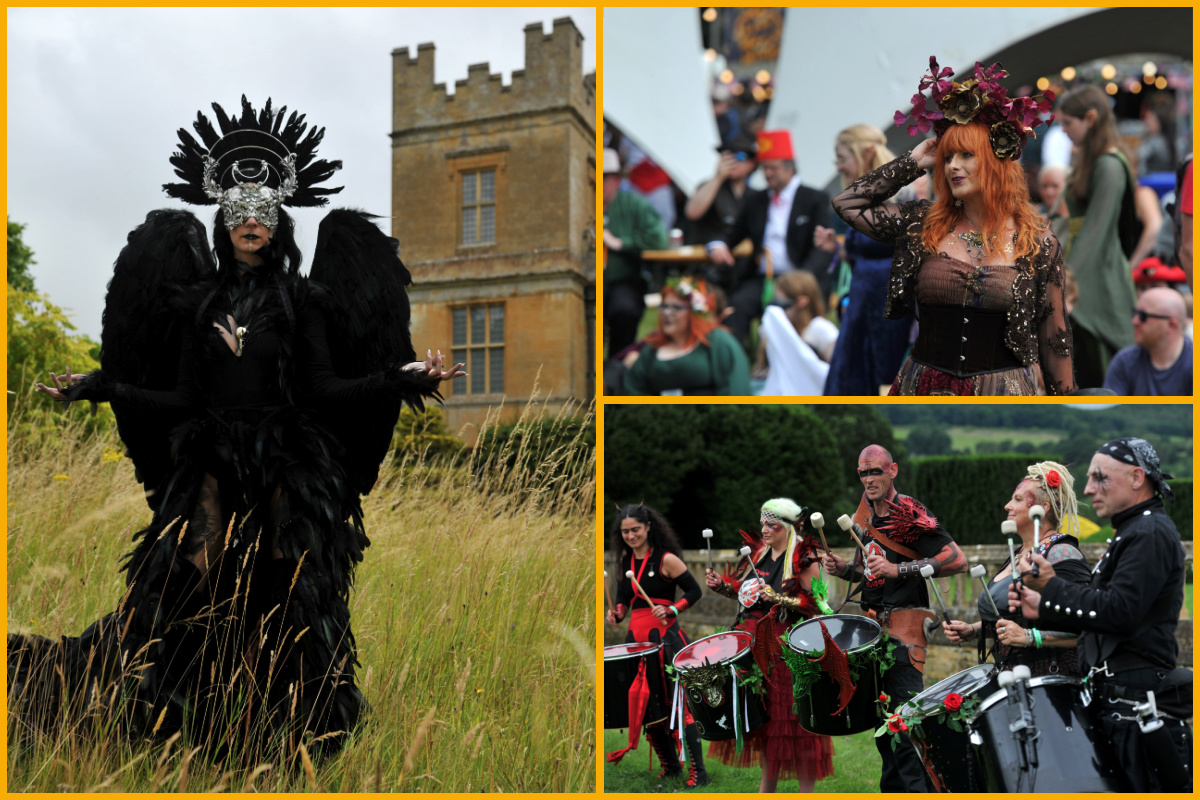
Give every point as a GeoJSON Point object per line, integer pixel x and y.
{"type": "Point", "coordinates": [978, 268]}
{"type": "Point", "coordinates": [689, 353]}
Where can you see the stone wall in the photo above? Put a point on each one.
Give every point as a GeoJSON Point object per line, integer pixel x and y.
{"type": "Point", "coordinates": [959, 592]}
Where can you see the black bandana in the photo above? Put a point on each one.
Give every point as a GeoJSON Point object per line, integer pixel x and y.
{"type": "Point", "coordinates": [1140, 453]}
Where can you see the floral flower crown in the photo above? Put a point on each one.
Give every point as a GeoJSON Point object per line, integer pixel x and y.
{"type": "Point", "coordinates": [694, 293]}
{"type": "Point", "coordinates": [1010, 120]}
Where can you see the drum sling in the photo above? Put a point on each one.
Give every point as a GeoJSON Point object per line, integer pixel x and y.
{"type": "Point", "coordinates": [639, 697]}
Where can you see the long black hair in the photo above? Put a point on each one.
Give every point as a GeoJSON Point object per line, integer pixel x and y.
{"type": "Point", "coordinates": [659, 532]}
{"type": "Point", "coordinates": [281, 254]}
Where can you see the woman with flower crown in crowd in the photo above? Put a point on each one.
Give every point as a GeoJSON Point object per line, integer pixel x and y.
{"type": "Point", "coordinates": [689, 354]}
{"type": "Point", "coordinates": [977, 267]}
{"type": "Point", "coordinates": [644, 542]}
{"type": "Point", "coordinates": [781, 591]}
{"type": "Point", "coordinates": [256, 406]}
{"type": "Point", "coordinates": [1014, 639]}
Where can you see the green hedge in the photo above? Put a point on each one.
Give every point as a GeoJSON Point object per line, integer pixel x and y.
{"type": "Point", "coordinates": [967, 494]}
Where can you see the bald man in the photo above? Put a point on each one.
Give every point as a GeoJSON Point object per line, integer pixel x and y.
{"type": "Point", "coordinates": [1160, 360]}
{"type": "Point", "coordinates": [900, 537]}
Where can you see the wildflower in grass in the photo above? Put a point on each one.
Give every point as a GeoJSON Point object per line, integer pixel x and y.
{"type": "Point", "coordinates": [61, 477]}
{"type": "Point", "coordinates": [110, 456]}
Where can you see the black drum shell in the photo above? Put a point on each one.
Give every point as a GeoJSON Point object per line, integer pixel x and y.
{"type": "Point", "coordinates": [814, 711]}
{"type": "Point", "coordinates": [707, 716]}
{"type": "Point", "coordinates": [948, 755]}
{"type": "Point", "coordinates": [1067, 756]}
{"type": "Point", "coordinates": [619, 674]}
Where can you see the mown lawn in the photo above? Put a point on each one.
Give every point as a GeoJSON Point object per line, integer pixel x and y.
{"type": "Point", "coordinates": [856, 768]}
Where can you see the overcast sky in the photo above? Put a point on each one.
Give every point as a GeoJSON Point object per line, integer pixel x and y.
{"type": "Point", "coordinates": [95, 97]}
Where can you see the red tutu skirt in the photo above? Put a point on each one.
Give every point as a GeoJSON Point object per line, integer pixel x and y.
{"type": "Point", "coordinates": [791, 752]}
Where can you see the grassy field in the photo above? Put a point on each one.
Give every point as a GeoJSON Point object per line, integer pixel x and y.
{"type": "Point", "coordinates": [856, 768]}
{"type": "Point", "coordinates": [473, 609]}
{"type": "Point", "coordinates": [964, 438]}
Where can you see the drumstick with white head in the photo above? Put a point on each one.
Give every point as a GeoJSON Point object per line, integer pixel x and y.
{"type": "Point", "coordinates": [847, 524]}
{"type": "Point", "coordinates": [978, 571]}
{"type": "Point", "coordinates": [708, 534]}
{"type": "Point", "coordinates": [608, 593]}
{"type": "Point", "coordinates": [1036, 513]}
{"type": "Point", "coordinates": [818, 521]}
{"type": "Point", "coordinates": [745, 553]}
{"type": "Point", "coordinates": [637, 587]}
{"type": "Point", "coordinates": [1009, 529]}
{"type": "Point", "coordinates": [927, 572]}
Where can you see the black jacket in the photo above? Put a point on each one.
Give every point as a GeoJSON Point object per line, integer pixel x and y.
{"type": "Point", "coordinates": [1129, 613]}
{"type": "Point", "coordinates": [810, 208]}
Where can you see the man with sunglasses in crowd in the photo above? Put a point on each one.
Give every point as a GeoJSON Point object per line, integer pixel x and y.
{"type": "Point", "coordinates": [1159, 362]}
{"type": "Point", "coordinates": [901, 538]}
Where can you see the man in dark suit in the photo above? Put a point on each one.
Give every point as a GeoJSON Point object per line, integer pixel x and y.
{"type": "Point", "coordinates": [780, 221]}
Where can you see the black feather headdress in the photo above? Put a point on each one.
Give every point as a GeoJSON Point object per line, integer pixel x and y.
{"type": "Point", "coordinates": [266, 149]}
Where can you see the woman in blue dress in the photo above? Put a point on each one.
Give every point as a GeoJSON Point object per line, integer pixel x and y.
{"type": "Point", "coordinates": [870, 348]}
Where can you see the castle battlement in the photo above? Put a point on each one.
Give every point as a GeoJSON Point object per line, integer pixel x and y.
{"type": "Point", "coordinates": [551, 78]}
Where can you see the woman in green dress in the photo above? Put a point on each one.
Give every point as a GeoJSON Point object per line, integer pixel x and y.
{"type": "Point", "coordinates": [1102, 319]}
{"type": "Point", "coordinates": [689, 354]}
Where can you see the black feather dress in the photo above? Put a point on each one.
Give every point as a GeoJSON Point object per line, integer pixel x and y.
{"type": "Point", "coordinates": [273, 397]}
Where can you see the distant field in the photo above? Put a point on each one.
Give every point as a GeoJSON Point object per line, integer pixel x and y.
{"type": "Point", "coordinates": [963, 438]}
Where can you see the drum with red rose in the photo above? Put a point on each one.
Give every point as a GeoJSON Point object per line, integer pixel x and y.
{"type": "Point", "coordinates": [938, 721]}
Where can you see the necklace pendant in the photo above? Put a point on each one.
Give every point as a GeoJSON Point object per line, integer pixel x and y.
{"type": "Point", "coordinates": [651, 573]}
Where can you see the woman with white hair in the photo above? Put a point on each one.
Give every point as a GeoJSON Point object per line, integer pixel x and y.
{"type": "Point", "coordinates": [776, 593]}
{"type": "Point", "coordinates": [1016, 640]}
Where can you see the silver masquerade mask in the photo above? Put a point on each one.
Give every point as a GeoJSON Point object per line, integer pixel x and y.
{"type": "Point", "coordinates": [250, 196]}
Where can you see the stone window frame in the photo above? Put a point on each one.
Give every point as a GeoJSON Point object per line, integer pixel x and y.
{"type": "Point", "coordinates": [461, 163]}
{"type": "Point", "coordinates": [460, 349]}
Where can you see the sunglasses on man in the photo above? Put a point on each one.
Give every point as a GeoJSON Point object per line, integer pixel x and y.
{"type": "Point", "coordinates": [1142, 316]}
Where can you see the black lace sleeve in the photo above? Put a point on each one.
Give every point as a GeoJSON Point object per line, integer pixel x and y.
{"type": "Point", "coordinates": [863, 204]}
{"type": "Point", "coordinates": [1054, 329]}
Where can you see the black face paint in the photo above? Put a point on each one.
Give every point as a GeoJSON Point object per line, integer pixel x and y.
{"type": "Point", "coordinates": [873, 472]}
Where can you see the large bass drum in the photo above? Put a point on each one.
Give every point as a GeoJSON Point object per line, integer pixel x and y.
{"type": "Point", "coordinates": [816, 710]}
{"type": "Point", "coordinates": [948, 755]}
{"type": "Point", "coordinates": [622, 663]}
{"type": "Point", "coordinates": [1059, 754]}
{"type": "Point", "coordinates": [707, 670]}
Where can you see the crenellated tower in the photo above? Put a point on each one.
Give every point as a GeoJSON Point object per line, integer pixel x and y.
{"type": "Point", "coordinates": [493, 201]}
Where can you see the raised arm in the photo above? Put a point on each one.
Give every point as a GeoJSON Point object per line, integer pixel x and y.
{"type": "Point", "coordinates": [1054, 329]}
{"type": "Point", "coordinates": [863, 204]}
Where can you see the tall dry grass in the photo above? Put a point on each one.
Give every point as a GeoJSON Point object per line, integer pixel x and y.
{"type": "Point", "coordinates": [473, 611]}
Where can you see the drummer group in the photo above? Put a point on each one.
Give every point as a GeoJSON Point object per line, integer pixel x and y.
{"type": "Point", "coordinates": [1110, 625]}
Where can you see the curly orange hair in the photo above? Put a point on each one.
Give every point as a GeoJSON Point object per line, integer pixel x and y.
{"type": "Point", "coordinates": [699, 325]}
{"type": "Point", "coordinates": [1002, 183]}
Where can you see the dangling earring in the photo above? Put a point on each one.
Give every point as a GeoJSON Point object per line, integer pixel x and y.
{"type": "Point", "coordinates": [958, 203]}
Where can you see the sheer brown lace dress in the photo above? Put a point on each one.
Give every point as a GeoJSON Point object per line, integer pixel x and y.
{"type": "Point", "coordinates": [986, 328]}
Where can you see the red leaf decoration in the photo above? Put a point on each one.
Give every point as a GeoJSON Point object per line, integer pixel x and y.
{"type": "Point", "coordinates": [834, 663]}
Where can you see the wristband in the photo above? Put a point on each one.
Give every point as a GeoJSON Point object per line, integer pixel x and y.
{"type": "Point", "coordinates": [674, 611]}
{"type": "Point", "coordinates": [1037, 638]}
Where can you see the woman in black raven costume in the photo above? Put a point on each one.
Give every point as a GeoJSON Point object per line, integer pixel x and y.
{"type": "Point", "coordinates": [256, 406]}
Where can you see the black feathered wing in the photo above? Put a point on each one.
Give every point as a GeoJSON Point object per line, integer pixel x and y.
{"type": "Point", "coordinates": [165, 264]}
{"type": "Point", "coordinates": [359, 286]}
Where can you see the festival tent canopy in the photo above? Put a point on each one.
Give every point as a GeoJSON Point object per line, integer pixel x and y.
{"type": "Point", "coordinates": [656, 89]}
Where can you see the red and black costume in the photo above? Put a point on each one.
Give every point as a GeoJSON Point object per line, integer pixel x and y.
{"type": "Point", "coordinates": [789, 750]}
{"type": "Point", "coordinates": [645, 627]}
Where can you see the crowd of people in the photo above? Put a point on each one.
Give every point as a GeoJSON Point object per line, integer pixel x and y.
{"type": "Point", "coordinates": [1107, 631]}
{"type": "Point", "coordinates": [935, 271]}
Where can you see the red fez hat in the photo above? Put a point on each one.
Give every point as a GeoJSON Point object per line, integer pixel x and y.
{"type": "Point", "coordinates": [775, 145]}
{"type": "Point", "coordinates": [1153, 270]}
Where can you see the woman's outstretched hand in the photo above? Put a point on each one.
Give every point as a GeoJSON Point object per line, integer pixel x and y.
{"type": "Point", "coordinates": [433, 367]}
{"type": "Point", "coordinates": [925, 154]}
{"type": "Point", "coordinates": [61, 384]}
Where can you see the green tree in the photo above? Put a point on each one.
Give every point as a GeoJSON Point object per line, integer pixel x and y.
{"type": "Point", "coordinates": [20, 259]}
{"type": "Point", "coordinates": [854, 427]}
{"type": "Point", "coordinates": [926, 440]}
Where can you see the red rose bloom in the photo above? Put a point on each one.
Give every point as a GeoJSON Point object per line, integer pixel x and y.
{"type": "Point", "coordinates": [953, 702]}
{"type": "Point", "coordinates": [896, 724]}
{"type": "Point", "coordinates": [1053, 478]}
{"type": "Point", "coordinates": [883, 698]}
